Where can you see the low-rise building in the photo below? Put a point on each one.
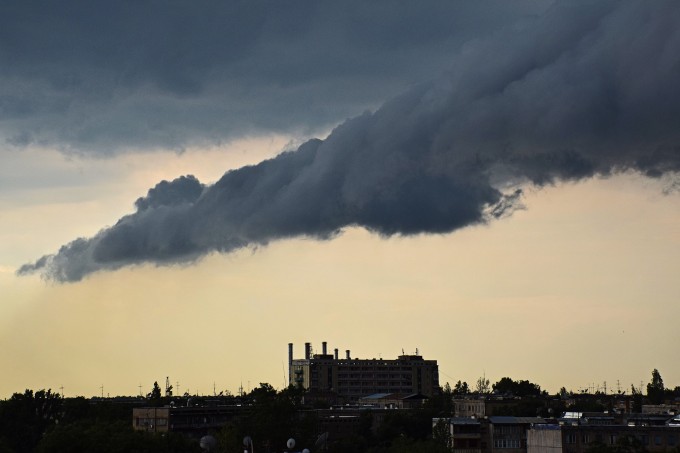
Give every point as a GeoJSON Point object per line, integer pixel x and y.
{"type": "Point", "coordinates": [191, 420]}
{"type": "Point", "coordinates": [393, 401]}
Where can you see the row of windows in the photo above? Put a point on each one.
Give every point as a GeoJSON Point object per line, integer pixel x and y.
{"type": "Point", "coordinates": [506, 443]}
{"type": "Point", "coordinates": [671, 439]}
{"type": "Point", "coordinates": [151, 421]}
{"type": "Point", "coordinates": [507, 429]}
{"type": "Point", "coordinates": [374, 375]}
{"type": "Point", "coordinates": [373, 384]}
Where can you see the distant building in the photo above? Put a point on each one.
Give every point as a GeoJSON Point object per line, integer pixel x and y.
{"type": "Point", "coordinates": [393, 401]}
{"type": "Point", "coordinates": [579, 438]}
{"type": "Point", "coordinates": [352, 378]}
{"type": "Point", "coordinates": [190, 420]}
{"type": "Point", "coordinates": [469, 407]}
{"type": "Point", "coordinates": [489, 434]}
{"type": "Point", "coordinates": [671, 409]}
{"type": "Point", "coordinates": [509, 434]}
{"type": "Point", "coordinates": [465, 434]}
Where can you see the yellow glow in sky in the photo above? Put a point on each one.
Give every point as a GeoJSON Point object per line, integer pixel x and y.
{"type": "Point", "coordinates": [580, 288]}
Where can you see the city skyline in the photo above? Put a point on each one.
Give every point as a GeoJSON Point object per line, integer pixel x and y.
{"type": "Point", "coordinates": [185, 191]}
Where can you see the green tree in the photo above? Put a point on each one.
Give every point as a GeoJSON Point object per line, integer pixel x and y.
{"type": "Point", "coordinates": [112, 437]}
{"type": "Point", "coordinates": [441, 434]}
{"type": "Point", "coordinates": [461, 388]}
{"type": "Point", "coordinates": [155, 396]}
{"type": "Point", "coordinates": [517, 388]}
{"type": "Point", "coordinates": [656, 389]}
{"type": "Point", "coordinates": [25, 417]}
{"type": "Point", "coordinates": [482, 385]}
{"type": "Point", "coordinates": [441, 404]}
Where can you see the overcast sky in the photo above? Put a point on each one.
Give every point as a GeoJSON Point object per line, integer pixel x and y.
{"type": "Point", "coordinates": [495, 183]}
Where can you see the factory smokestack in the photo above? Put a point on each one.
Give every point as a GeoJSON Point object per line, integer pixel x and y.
{"type": "Point", "coordinates": [348, 356]}
{"type": "Point", "coordinates": [308, 351]}
{"type": "Point", "coordinates": [290, 362]}
{"type": "Point", "coordinates": [336, 353]}
{"type": "Point", "coordinates": [323, 348]}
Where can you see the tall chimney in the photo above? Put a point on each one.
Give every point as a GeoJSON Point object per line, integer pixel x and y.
{"type": "Point", "coordinates": [323, 348]}
{"type": "Point", "coordinates": [308, 351]}
{"type": "Point", "coordinates": [290, 362]}
{"type": "Point", "coordinates": [336, 353]}
{"type": "Point", "coordinates": [348, 357]}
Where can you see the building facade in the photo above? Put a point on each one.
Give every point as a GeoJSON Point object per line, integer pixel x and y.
{"type": "Point", "coordinates": [351, 378]}
{"type": "Point", "coordinates": [580, 438]}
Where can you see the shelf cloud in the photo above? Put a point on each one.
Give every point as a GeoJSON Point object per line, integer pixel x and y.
{"type": "Point", "coordinates": [585, 89]}
{"type": "Point", "coordinates": [100, 78]}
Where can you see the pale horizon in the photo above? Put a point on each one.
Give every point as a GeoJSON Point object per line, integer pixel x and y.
{"type": "Point", "coordinates": [495, 184]}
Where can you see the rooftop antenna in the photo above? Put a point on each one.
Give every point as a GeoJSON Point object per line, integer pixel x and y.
{"type": "Point", "coordinates": [102, 387]}
{"type": "Point", "coordinates": [62, 390]}
{"type": "Point", "coordinates": [168, 390]}
{"type": "Point", "coordinates": [177, 387]}
{"type": "Point", "coordinates": [140, 389]}
{"type": "Point", "coordinates": [283, 369]}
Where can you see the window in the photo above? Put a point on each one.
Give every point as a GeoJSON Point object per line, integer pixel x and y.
{"type": "Point", "coordinates": [571, 438]}
{"type": "Point", "coordinates": [612, 439]}
{"type": "Point", "coordinates": [671, 440]}
{"type": "Point", "coordinates": [506, 443]}
{"type": "Point", "coordinates": [585, 439]}
{"type": "Point", "coordinates": [657, 440]}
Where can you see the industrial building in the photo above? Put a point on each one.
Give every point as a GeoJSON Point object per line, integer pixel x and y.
{"type": "Point", "coordinates": [351, 378]}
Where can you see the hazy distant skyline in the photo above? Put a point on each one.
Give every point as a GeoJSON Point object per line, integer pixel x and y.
{"type": "Point", "coordinates": [493, 183]}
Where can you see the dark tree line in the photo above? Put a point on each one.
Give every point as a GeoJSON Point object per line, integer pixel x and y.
{"type": "Point", "coordinates": [43, 421]}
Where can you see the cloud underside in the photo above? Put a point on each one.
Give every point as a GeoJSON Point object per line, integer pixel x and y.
{"type": "Point", "coordinates": [583, 90]}
{"type": "Point", "coordinates": [100, 78]}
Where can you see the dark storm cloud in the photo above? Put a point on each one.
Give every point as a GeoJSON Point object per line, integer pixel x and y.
{"type": "Point", "coordinates": [587, 89]}
{"type": "Point", "coordinates": [98, 76]}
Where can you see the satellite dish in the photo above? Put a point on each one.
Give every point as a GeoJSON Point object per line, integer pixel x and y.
{"type": "Point", "coordinates": [290, 443]}
{"type": "Point", "coordinates": [208, 443]}
{"type": "Point", "coordinates": [247, 441]}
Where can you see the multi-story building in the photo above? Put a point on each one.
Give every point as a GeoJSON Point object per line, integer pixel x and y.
{"type": "Point", "coordinates": [580, 438]}
{"type": "Point", "coordinates": [351, 378]}
{"type": "Point", "coordinates": [489, 434]}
